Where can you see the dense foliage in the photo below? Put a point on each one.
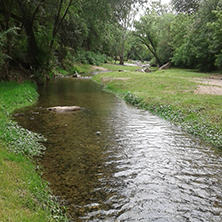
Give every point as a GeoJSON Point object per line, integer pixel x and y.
{"type": "Point", "coordinates": [36, 36]}
{"type": "Point", "coordinates": [187, 35]}
{"type": "Point", "coordinates": [195, 41]}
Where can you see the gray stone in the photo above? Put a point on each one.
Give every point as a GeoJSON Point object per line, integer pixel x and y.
{"type": "Point", "coordinates": [63, 109]}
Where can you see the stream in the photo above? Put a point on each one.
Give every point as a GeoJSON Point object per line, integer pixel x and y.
{"type": "Point", "coordinates": [112, 162]}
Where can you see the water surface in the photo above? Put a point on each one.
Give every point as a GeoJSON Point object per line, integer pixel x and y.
{"type": "Point", "coordinates": [113, 162]}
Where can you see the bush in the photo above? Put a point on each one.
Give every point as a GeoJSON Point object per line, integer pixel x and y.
{"type": "Point", "coordinates": [91, 58]}
{"type": "Point", "coordinates": [153, 62]}
{"type": "Point", "coordinates": [133, 99]}
{"type": "Point", "coordinates": [73, 60]}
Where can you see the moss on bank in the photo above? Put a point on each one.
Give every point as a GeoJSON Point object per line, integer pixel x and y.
{"type": "Point", "coordinates": [171, 95]}
{"type": "Point", "coordinates": [23, 194]}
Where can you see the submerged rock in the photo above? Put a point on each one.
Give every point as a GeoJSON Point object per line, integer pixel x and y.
{"type": "Point", "coordinates": [76, 75]}
{"type": "Point", "coordinates": [63, 109]}
{"type": "Point", "coordinates": [19, 114]}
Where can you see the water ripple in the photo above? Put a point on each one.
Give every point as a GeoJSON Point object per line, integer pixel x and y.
{"type": "Point", "coordinates": [113, 162]}
{"type": "Point", "coordinates": [163, 174]}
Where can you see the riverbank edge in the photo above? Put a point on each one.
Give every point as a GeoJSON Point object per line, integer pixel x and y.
{"type": "Point", "coordinates": [24, 196]}
{"type": "Point", "coordinates": [177, 115]}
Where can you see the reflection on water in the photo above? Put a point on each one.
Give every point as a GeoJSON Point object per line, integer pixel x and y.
{"type": "Point", "coordinates": [113, 162]}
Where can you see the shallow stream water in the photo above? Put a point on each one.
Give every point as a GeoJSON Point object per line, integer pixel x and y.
{"type": "Point", "coordinates": [110, 161]}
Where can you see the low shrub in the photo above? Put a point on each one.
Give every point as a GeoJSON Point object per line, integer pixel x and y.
{"type": "Point", "coordinates": [88, 57]}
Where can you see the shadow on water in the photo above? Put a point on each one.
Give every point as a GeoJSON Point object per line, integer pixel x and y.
{"type": "Point", "coordinates": [112, 162]}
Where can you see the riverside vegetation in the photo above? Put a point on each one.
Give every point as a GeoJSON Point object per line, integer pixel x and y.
{"type": "Point", "coordinates": [172, 95]}
{"type": "Point", "coordinates": [169, 94]}
{"type": "Point", "coordinates": [23, 194]}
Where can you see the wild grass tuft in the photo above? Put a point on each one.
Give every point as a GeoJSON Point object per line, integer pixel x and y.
{"type": "Point", "coordinates": [13, 96]}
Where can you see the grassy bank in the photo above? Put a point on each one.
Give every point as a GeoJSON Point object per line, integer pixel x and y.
{"type": "Point", "coordinates": [78, 67]}
{"type": "Point", "coordinates": [172, 95]}
{"type": "Point", "coordinates": [23, 195]}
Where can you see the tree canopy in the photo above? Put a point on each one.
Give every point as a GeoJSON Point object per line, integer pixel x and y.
{"type": "Point", "coordinates": [37, 35]}
{"type": "Point", "coordinates": [189, 38]}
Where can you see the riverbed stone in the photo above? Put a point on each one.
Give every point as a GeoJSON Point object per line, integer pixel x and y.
{"type": "Point", "coordinates": [63, 109]}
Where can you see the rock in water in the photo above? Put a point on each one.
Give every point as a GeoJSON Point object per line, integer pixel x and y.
{"type": "Point", "coordinates": [63, 109]}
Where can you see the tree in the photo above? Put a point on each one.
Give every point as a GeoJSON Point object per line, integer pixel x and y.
{"type": "Point", "coordinates": [195, 50]}
{"type": "Point", "coordinates": [180, 34]}
{"type": "Point", "coordinates": [61, 10]}
{"type": "Point", "coordinates": [6, 6]}
{"type": "Point", "coordinates": [35, 20]}
{"type": "Point", "coordinates": [28, 13]}
{"type": "Point", "coordinates": [23, 12]}
{"type": "Point", "coordinates": [153, 30]}
{"type": "Point", "coordinates": [147, 36]}
{"type": "Point", "coordinates": [216, 44]}
{"type": "Point", "coordinates": [136, 50]}
{"type": "Point", "coordinates": [4, 53]}
{"type": "Point", "coordinates": [124, 12]}
{"type": "Point", "coordinates": [126, 26]}
{"type": "Point", "coordinates": [48, 29]}
{"type": "Point", "coordinates": [186, 6]}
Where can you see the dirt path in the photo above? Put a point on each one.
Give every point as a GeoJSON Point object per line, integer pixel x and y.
{"type": "Point", "coordinates": [211, 86]}
{"type": "Point", "coordinates": [99, 68]}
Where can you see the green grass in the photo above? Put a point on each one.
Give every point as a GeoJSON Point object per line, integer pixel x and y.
{"type": "Point", "coordinates": [19, 188]}
{"type": "Point", "coordinates": [83, 68]}
{"type": "Point", "coordinates": [77, 67]}
{"type": "Point", "coordinates": [14, 96]}
{"type": "Point", "coordinates": [170, 94]}
{"type": "Point", "coordinates": [23, 195]}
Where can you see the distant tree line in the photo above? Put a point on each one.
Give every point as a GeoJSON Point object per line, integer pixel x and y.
{"type": "Point", "coordinates": [188, 34]}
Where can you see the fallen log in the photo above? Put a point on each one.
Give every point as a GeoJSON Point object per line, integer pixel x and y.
{"type": "Point", "coordinates": [165, 66]}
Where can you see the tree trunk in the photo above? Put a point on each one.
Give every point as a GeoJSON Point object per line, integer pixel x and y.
{"type": "Point", "coordinates": [121, 60]}
{"type": "Point", "coordinates": [140, 58]}
{"type": "Point", "coordinates": [32, 45]}
{"type": "Point", "coordinates": [27, 20]}
{"type": "Point", "coordinates": [157, 60]}
{"type": "Point", "coordinates": [58, 21]}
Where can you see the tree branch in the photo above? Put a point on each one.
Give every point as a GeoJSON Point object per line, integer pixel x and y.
{"type": "Point", "coordinates": [12, 15]}
{"type": "Point", "coordinates": [36, 10]}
